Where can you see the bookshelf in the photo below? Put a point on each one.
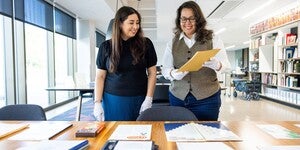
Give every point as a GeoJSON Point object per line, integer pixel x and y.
{"type": "Point", "coordinates": [277, 49]}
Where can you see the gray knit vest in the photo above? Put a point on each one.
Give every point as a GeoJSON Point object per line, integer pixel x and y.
{"type": "Point", "coordinates": [202, 83]}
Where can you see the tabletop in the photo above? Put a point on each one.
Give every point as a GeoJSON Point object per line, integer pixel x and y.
{"type": "Point", "coordinates": [248, 131]}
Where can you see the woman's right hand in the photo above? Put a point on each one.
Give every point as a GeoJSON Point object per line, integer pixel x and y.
{"type": "Point", "coordinates": [178, 75]}
{"type": "Point", "coordinates": [98, 111]}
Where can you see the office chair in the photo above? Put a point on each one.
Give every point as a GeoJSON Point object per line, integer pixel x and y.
{"type": "Point", "coordinates": [22, 112]}
{"type": "Point", "coordinates": [167, 113]}
{"type": "Point", "coordinates": [161, 95]}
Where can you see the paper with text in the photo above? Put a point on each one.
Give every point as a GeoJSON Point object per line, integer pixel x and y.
{"type": "Point", "coordinates": [199, 132]}
{"type": "Point", "coordinates": [132, 132]}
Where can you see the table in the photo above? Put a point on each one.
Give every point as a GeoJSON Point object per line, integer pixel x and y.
{"type": "Point", "coordinates": [82, 90]}
{"type": "Point", "coordinates": [251, 135]}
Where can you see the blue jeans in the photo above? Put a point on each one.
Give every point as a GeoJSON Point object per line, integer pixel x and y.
{"type": "Point", "coordinates": [121, 108]}
{"type": "Point", "coordinates": [205, 110]}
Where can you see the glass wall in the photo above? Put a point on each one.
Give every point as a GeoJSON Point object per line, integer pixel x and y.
{"type": "Point", "coordinates": [36, 51]}
{"type": "Point", "coordinates": [2, 60]}
{"type": "Point", "coordinates": [36, 65]}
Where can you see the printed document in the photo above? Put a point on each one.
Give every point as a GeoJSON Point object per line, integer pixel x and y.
{"type": "Point", "coordinates": [132, 132]}
{"type": "Point", "coordinates": [199, 132]}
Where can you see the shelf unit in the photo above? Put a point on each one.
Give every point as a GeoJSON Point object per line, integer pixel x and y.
{"type": "Point", "coordinates": [278, 54]}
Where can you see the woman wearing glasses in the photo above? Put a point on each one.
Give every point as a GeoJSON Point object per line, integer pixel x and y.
{"type": "Point", "coordinates": [198, 91]}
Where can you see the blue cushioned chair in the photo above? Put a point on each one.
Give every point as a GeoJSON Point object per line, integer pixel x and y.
{"type": "Point", "coordinates": [22, 112]}
{"type": "Point", "coordinates": [167, 113]}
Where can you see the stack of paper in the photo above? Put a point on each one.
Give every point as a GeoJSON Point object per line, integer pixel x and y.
{"type": "Point", "coordinates": [199, 132]}
{"type": "Point", "coordinates": [130, 137]}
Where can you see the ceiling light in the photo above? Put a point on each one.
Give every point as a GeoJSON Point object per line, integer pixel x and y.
{"type": "Point", "coordinates": [220, 31]}
{"type": "Point", "coordinates": [229, 47]}
{"type": "Point", "coordinates": [258, 8]}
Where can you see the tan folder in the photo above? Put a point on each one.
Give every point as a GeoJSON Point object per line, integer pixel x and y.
{"type": "Point", "coordinates": [196, 62]}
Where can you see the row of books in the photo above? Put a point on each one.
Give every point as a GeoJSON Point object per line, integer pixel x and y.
{"type": "Point", "coordinates": [288, 81]}
{"type": "Point", "coordinates": [276, 21]}
{"type": "Point", "coordinates": [289, 53]}
{"type": "Point", "coordinates": [286, 96]}
{"type": "Point", "coordinates": [269, 78]}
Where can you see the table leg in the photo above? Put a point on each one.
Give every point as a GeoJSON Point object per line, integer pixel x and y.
{"type": "Point", "coordinates": [79, 108]}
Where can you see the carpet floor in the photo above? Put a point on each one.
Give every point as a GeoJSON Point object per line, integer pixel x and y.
{"type": "Point", "coordinates": [70, 115]}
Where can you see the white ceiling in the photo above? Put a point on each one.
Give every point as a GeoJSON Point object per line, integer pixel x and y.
{"type": "Point", "coordinates": [158, 16]}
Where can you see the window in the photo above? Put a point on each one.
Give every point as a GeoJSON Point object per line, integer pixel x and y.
{"type": "Point", "coordinates": [36, 65]}
{"type": "Point", "coordinates": [2, 65]}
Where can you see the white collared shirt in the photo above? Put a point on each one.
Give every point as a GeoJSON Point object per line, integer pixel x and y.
{"type": "Point", "coordinates": [168, 61]}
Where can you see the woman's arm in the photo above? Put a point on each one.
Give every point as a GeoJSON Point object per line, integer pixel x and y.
{"type": "Point", "coordinates": [99, 84]}
{"type": "Point", "coordinates": [151, 81]}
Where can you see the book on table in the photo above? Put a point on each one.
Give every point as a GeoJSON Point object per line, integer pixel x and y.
{"type": "Point", "coordinates": [10, 128]}
{"type": "Point", "coordinates": [211, 131]}
{"type": "Point", "coordinates": [90, 130]}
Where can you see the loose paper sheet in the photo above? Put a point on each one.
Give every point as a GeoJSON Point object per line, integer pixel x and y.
{"type": "Point", "coordinates": [196, 62]}
{"type": "Point", "coordinates": [132, 132]}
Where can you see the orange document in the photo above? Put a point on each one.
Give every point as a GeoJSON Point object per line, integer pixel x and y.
{"type": "Point", "coordinates": [196, 62]}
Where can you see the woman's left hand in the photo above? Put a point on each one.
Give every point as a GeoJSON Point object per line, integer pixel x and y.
{"type": "Point", "coordinates": [213, 63]}
{"type": "Point", "coordinates": [146, 104]}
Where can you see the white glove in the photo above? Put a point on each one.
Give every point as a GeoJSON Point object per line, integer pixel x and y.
{"type": "Point", "coordinates": [213, 63]}
{"type": "Point", "coordinates": [146, 104]}
{"type": "Point", "coordinates": [178, 75]}
{"type": "Point", "coordinates": [98, 111]}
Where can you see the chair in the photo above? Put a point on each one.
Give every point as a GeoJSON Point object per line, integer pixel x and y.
{"type": "Point", "coordinates": [167, 113]}
{"type": "Point", "coordinates": [161, 95]}
{"type": "Point", "coordinates": [23, 112]}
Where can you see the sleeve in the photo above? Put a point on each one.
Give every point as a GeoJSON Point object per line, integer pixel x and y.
{"type": "Point", "coordinates": [102, 55]}
{"type": "Point", "coordinates": [167, 65]}
{"type": "Point", "coordinates": [150, 54]}
{"type": "Point", "coordinates": [221, 55]}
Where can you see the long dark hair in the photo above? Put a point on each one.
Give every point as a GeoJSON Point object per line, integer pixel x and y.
{"type": "Point", "coordinates": [202, 34]}
{"type": "Point", "coordinates": [137, 46]}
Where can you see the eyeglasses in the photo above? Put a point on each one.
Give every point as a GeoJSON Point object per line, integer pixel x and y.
{"type": "Point", "coordinates": [191, 19]}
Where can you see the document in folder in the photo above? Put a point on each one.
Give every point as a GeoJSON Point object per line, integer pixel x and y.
{"type": "Point", "coordinates": [196, 62]}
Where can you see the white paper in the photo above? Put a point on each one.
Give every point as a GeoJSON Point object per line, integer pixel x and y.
{"type": "Point", "coordinates": [278, 131]}
{"type": "Point", "coordinates": [297, 125]}
{"type": "Point", "coordinates": [132, 132]}
{"type": "Point", "coordinates": [41, 131]}
{"type": "Point", "coordinates": [202, 145]}
{"type": "Point", "coordinates": [281, 147]}
{"type": "Point", "coordinates": [54, 145]}
{"type": "Point", "coordinates": [134, 145]}
{"type": "Point", "coordinates": [200, 132]}
{"type": "Point", "coordinates": [9, 128]}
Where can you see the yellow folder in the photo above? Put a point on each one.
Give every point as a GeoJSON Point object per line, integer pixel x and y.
{"type": "Point", "coordinates": [196, 62]}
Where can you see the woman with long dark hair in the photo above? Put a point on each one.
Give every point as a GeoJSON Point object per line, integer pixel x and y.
{"type": "Point", "coordinates": [198, 91]}
{"type": "Point", "coordinates": [126, 70]}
